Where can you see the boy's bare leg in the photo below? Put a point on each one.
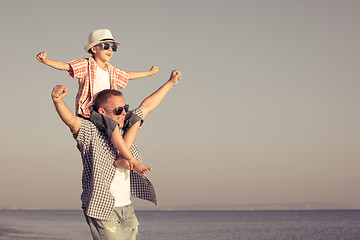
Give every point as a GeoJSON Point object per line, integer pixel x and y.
{"type": "Point", "coordinates": [125, 158]}
{"type": "Point", "coordinates": [121, 162]}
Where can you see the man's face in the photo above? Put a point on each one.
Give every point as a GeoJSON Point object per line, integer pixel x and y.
{"type": "Point", "coordinates": [113, 103]}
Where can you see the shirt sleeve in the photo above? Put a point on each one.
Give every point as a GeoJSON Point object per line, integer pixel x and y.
{"type": "Point", "coordinates": [139, 112]}
{"type": "Point", "coordinates": [133, 117]}
{"type": "Point", "coordinates": [82, 137]}
{"type": "Point", "coordinates": [121, 77]}
{"type": "Point", "coordinates": [79, 68]}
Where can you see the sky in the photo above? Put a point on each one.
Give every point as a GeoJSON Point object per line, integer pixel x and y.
{"type": "Point", "coordinates": [267, 110]}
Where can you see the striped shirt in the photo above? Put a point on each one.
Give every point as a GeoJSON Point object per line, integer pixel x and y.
{"type": "Point", "coordinates": [85, 71]}
{"type": "Point", "coordinates": [98, 156]}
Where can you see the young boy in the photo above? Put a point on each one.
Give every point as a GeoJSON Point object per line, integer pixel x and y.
{"type": "Point", "coordinates": [96, 74]}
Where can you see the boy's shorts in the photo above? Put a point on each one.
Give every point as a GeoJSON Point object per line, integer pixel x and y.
{"type": "Point", "coordinates": [107, 125]}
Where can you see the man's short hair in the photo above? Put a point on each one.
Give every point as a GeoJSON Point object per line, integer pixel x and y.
{"type": "Point", "coordinates": [102, 97]}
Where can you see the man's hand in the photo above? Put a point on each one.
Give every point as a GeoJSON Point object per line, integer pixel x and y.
{"type": "Point", "coordinates": [154, 70]}
{"type": "Point", "coordinates": [41, 57]}
{"type": "Point", "coordinates": [175, 76]}
{"type": "Point", "coordinates": [58, 93]}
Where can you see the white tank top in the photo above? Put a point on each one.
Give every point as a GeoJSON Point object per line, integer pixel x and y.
{"type": "Point", "coordinates": [120, 185]}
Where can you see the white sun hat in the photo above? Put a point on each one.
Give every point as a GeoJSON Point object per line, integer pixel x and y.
{"type": "Point", "coordinates": [99, 36]}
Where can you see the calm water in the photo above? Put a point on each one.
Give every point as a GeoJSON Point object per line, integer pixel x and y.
{"type": "Point", "coordinates": [188, 225]}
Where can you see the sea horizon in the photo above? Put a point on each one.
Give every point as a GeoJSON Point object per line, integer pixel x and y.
{"type": "Point", "coordinates": [212, 207]}
{"type": "Point", "coordinates": [190, 224]}
{"type": "Point", "coordinates": [262, 206]}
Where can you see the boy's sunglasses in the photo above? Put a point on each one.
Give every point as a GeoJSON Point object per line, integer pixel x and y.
{"type": "Point", "coordinates": [119, 110]}
{"type": "Point", "coordinates": [106, 46]}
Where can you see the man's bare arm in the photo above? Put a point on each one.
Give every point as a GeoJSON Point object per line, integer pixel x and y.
{"type": "Point", "coordinates": [64, 111]}
{"type": "Point", "coordinates": [151, 102]}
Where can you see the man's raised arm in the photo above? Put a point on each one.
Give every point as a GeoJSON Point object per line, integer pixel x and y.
{"type": "Point", "coordinates": [64, 112]}
{"type": "Point", "coordinates": [151, 102]}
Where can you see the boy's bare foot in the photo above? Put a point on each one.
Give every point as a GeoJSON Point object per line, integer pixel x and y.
{"type": "Point", "coordinates": [141, 168]}
{"type": "Point", "coordinates": [134, 165]}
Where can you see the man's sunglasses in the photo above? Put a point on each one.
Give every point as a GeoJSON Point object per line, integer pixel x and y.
{"type": "Point", "coordinates": [119, 110]}
{"type": "Point", "coordinates": [106, 46]}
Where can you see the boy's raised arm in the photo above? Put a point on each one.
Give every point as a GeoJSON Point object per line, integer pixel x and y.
{"type": "Point", "coordinates": [64, 112]}
{"type": "Point", "coordinates": [152, 71]}
{"type": "Point", "coordinates": [42, 58]}
{"type": "Point", "coordinates": [151, 102]}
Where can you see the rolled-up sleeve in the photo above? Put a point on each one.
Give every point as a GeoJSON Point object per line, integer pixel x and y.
{"type": "Point", "coordinates": [79, 68]}
{"type": "Point", "coordinates": [133, 117]}
{"type": "Point", "coordinates": [82, 138]}
{"type": "Point", "coordinates": [119, 78]}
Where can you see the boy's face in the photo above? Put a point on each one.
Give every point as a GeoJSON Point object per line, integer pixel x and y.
{"type": "Point", "coordinates": [101, 54]}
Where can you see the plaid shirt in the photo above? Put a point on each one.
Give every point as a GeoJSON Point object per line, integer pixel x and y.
{"type": "Point", "coordinates": [85, 71]}
{"type": "Point", "coordinates": [98, 156]}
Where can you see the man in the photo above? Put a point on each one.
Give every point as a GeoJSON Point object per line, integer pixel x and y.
{"type": "Point", "coordinates": [106, 188]}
